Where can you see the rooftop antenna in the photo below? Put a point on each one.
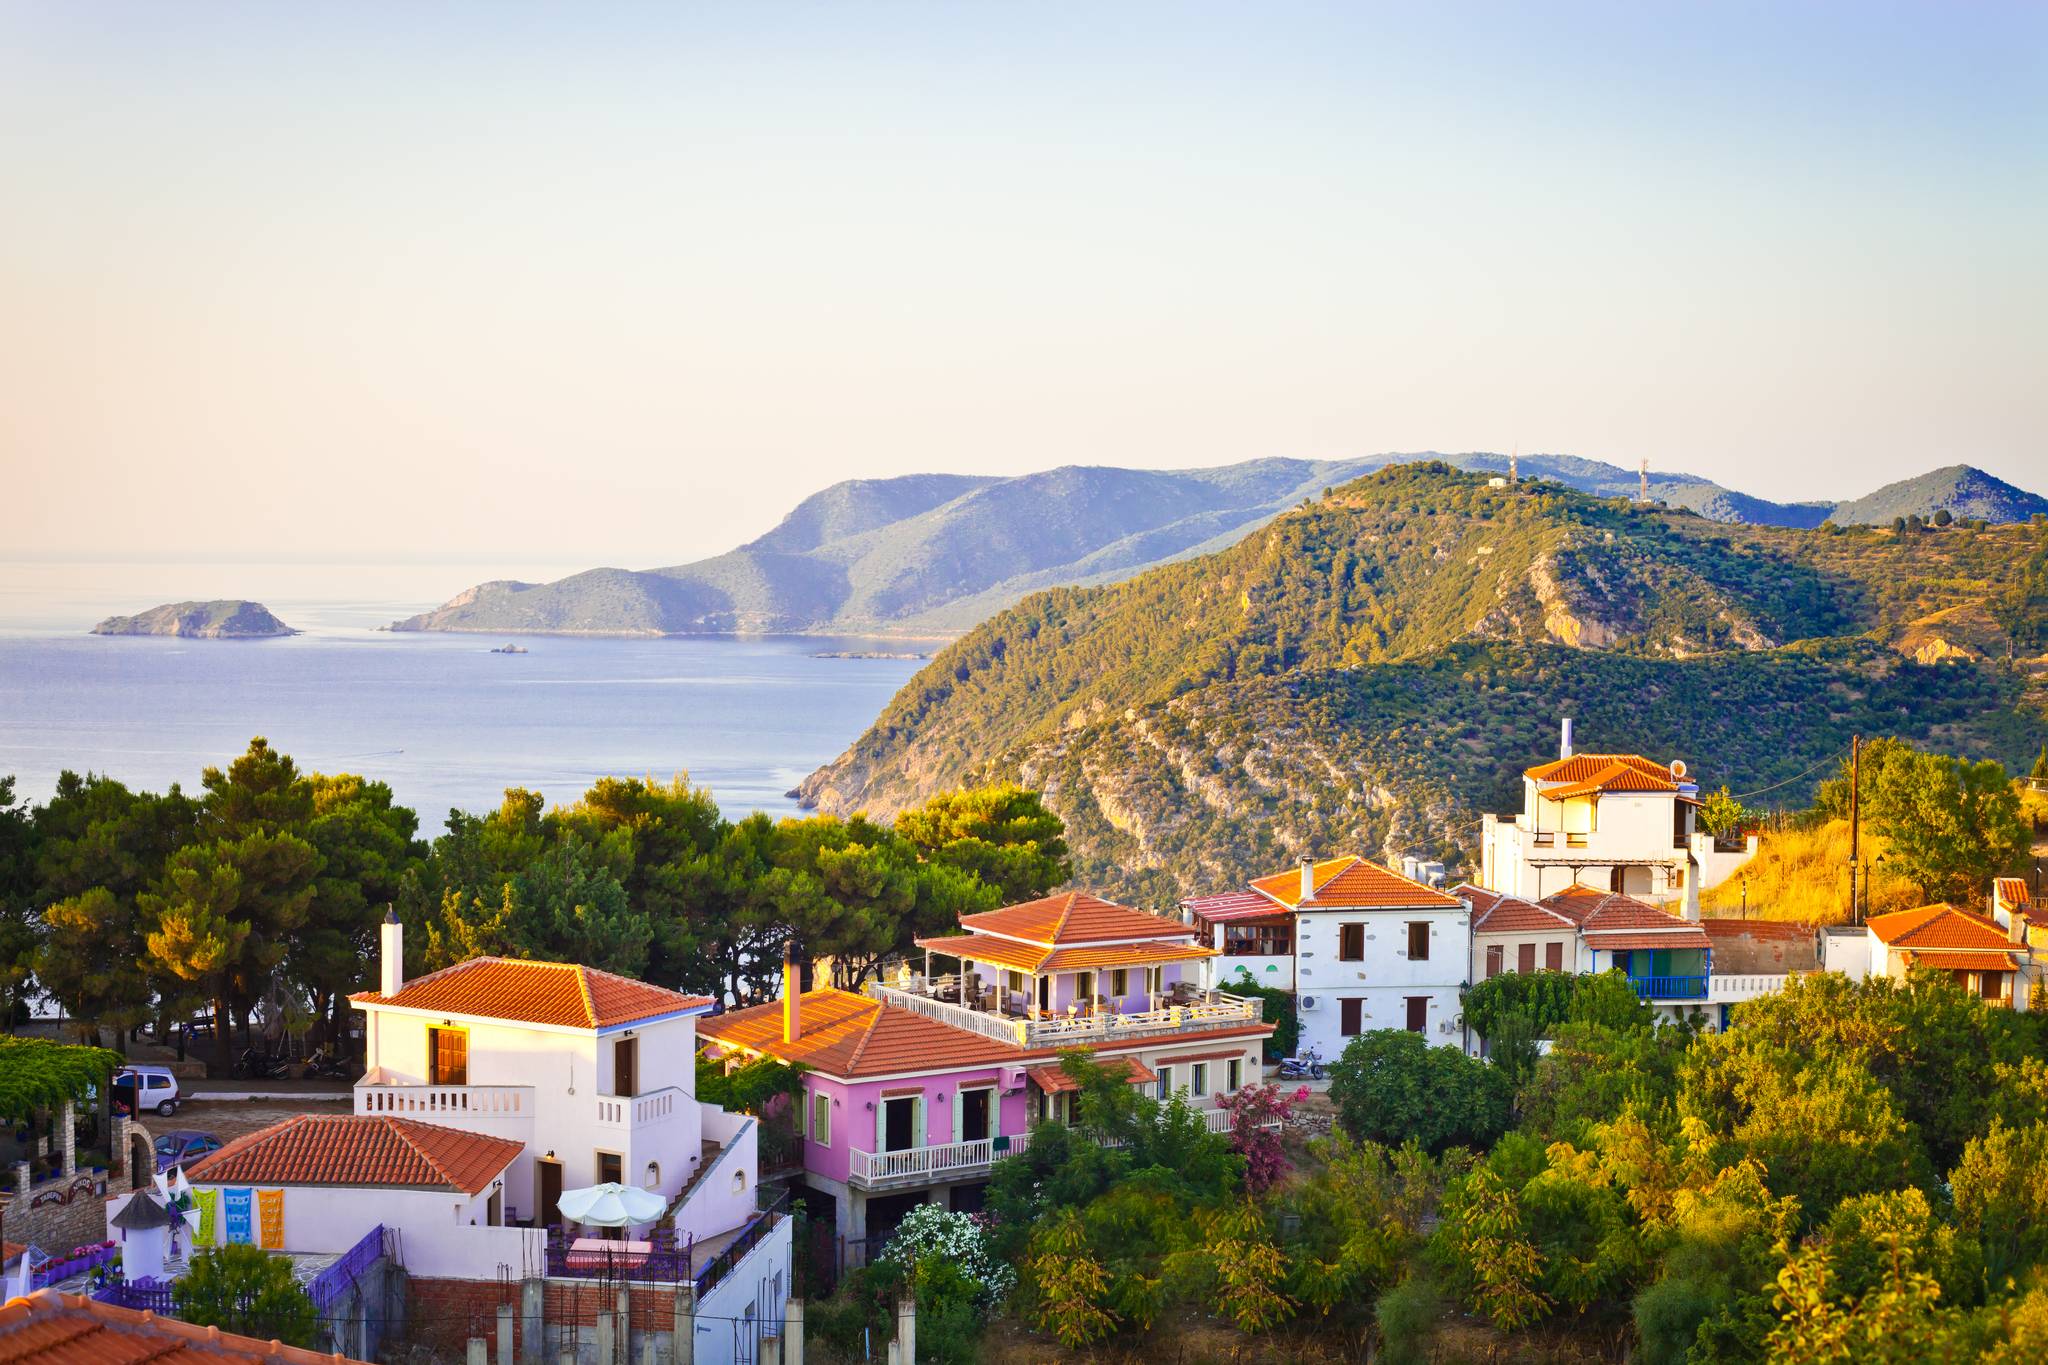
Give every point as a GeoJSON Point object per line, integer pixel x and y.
{"type": "Point", "coordinates": [1643, 481]}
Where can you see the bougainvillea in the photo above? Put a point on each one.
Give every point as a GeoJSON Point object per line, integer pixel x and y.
{"type": "Point", "coordinates": [1256, 1113]}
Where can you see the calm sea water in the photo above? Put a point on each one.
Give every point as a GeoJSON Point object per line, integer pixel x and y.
{"type": "Point", "coordinates": [442, 719]}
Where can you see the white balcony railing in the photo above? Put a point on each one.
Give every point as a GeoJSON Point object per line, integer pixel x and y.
{"type": "Point", "coordinates": [917, 1163]}
{"type": "Point", "coordinates": [446, 1103]}
{"type": "Point", "coordinates": [635, 1112]}
{"type": "Point", "coordinates": [1208, 1009]}
{"type": "Point", "coordinates": [1726, 989]}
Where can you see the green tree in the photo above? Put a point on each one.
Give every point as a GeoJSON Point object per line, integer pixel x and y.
{"type": "Point", "coordinates": [1004, 836]}
{"type": "Point", "coordinates": [244, 1289]}
{"type": "Point", "coordinates": [1949, 825]}
{"type": "Point", "coordinates": [20, 935]}
{"type": "Point", "coordinates": [1999, 1197]}
{"type": "Point", "coordinates": [2040, 770]}
{"type": "Point", "coordinates": [1722, 814]}
{"type": "Point", "coordinates": [366, 848]}
{"type": "Point", "coordinates": [1391, 1086]}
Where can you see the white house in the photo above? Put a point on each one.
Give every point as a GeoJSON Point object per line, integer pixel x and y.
{"type": "Point", "coordinates": [1982, 957]}
{"type": "Point", "coordinates": [1618, 822]}
{"type": "Point", "coordinates": [491, 1087]}
{"type": "Point", "coordinates": [1373, 950]}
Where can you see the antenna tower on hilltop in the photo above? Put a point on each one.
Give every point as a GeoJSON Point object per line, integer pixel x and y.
{"type": "Point", "coordinates": [1515, 464]}
{"type": "Point", "coordinates": [1643, 481]}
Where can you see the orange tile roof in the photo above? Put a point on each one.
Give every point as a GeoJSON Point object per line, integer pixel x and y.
{"type": "Point", "coordinates": [1353, 883]}
{"type": "Point", "coordinates": [48, 1328]}
{"type": "Point", "coordinates": [1073, 917]}
{"type": "Point", "coordinates": [1628, 941]}
{"type": "Point", "coordinates": [1937, 926]}
{"type": "Point", "coordinates": [1964, 961]}
{"type": "Point", "coordinates": [1054, 1080]}
{"type": "Point", "coordinates": [10, 1250]}
{"type": "Point", "coordinates": [1723, 927]}
{"type": "Point", "coordinates": [1603, 914]}
{"type": "Point", "coordinates": [559, 993]}
{"type": "Point", "coordinates": [359, 1149]}
{"type": "Point", "coordinates": [1580, 767]}
{"type": "Point", "coordinates": [1000, 952]}
{"type": "Point", "coordinates": [1513, 915]}
{"type": "Point", "coordinates": [848, 1035]}
{"type": "Point", "coordinates": [1123, 955]}
{"type": "Point", "coordinates": [1615, 777]}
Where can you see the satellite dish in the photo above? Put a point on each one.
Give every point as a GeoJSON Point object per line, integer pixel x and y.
{"type": "Point", "coordinates": [1678, 767]}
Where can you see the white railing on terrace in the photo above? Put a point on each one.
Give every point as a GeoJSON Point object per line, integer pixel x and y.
{"type": "Point", "coordinates": [949, 1158]}
{"type": "Point", "coordinates": [446, 1101]}
{"type": "Point", "coordinates": [1207, 1009]}
{"type": "Point", "coordinates": [639, 1111]}
{"type": "Point", "coordinates": [1729, 988]}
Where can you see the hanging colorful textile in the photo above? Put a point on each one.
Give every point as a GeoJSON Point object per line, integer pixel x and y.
{"type": "Point", "coordinates": [208, 1202]}
{"type": "Point", "coordinates": [270, 1218]}
{"type": "Point", "coordinates": [237, 1203]}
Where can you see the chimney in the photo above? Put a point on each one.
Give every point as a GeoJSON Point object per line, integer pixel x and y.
{"type": "Point", "coordinates": [792, 996]}
{"type": "Point", "coordinates": [1564, 746]}
{"type": "Point", "coordinates": [1692, 890]}
{"type": "Point", "coordinates": [391, 942]}
{"type": "Point", "coordinates": [1308, 879]}
{"type": "Point", "coordinates": [2016, 922]}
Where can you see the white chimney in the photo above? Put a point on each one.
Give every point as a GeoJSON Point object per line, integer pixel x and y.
{"type": "Point", "coordinates": [391, 942]}
{"type": "Point", "coordinates": [1564, 747]}
{"type": "Point", "coordinates": [1308, 879]}
{"type": "Point", "coordinates": [1692, 890]}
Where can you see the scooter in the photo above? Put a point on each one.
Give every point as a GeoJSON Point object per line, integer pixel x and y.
{"type": "Point", "coordinates": [1308, 1064]}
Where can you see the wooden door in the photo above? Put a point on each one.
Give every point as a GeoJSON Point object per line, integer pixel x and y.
{"type": "Point", "coordinates": [1418, 1014]}
{"type": "Point", "coordinates": [625, 1053]}
{"type": "Point", "coordinates": [548, 1176]}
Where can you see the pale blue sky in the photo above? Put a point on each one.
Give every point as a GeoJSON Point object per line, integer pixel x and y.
{"type": "Point", "coordinates": [622, 282]}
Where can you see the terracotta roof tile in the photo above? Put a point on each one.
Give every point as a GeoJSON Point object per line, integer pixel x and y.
{"type": "Point", "coordinates": [1615, 777]}
{"type": "Point", "coordinates": [1054, 1080]}
{"type": "Point", "coordinates": [1123, 955]}
{"type": "Point", "coordinates": [1513, 915]}
{"type": "Point", "coordinates": [1001, 952]}
{"type": "Point", "coordinates": [848, 1035]}
{"type": "Point", "coordinates": [1353, 883]}
{"type": "Point", "coordinates": [1632, 940]}
{"type": "Point", "coordinates": [1580, 767]}
{"type": "Point", "coordinates": [1937, 926]}
{"type": "Point", "coordinates": [1953, 961]}
{"type": "Point", "coordinates": [1723, 927]}
{"type": "Point", "coordinates": [48, 1328]}
{"type": "Point", "coordinates": [558, 993]}
{"type": "Point", "coordinates": [1073, 917]}
{"type": "Point", "coordinates": [2011, 890]}
{"type": "Point", "coordinates": [359, 1149]}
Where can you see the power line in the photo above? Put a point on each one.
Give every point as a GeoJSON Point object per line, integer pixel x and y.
{"type": "Point", "coordinates": [1834, 757]}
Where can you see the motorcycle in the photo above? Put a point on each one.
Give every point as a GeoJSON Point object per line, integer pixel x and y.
{"type": "Point", "coordinates": [323, 1066]}
{"type": "Point", "coordinates": [255, 1066]}
{"type": "Point", "coordinates": [1307, 1065]}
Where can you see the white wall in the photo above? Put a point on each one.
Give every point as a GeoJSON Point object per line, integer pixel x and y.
{"type": "Point", "coordinates": [717, 1205]}
{"type": "Point", "coordinates": [761, 1282]}
{"type": "Point", "coordinates": [440, 1232]}
{"type": "Point", "coordinates": [1385, 978]}
{"type": "Point", "coordinates": [1510, 945]}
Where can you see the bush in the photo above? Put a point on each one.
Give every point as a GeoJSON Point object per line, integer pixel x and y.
{"type": "Point", "coordinates": [958, 1239]}
{"type": "Point", "coordinates": [1407, 1315]}
{"type": "Point", "coordinates": [245, 1289]}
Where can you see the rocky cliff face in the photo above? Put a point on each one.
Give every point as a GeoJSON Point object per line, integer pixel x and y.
{"type": "Point", "coordinates": [222, 620]}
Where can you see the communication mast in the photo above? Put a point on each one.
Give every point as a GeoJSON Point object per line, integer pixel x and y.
{"type": "Point", "coordinates": [1643, 481]}
{"type": "Point", "coordinates": [1515, 464]}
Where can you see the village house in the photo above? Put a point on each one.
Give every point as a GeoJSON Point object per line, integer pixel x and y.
{"type": "Point", "coordinates": [491, 1087]}
{"type": "Point", "coordinates": [1618, 822]}
{"type": "Point", "coordinates": [1984, 958]}
{"type": "Point", "coordinates": [1252, 934]}
{"type": "Point", "coordinates": [913, 1088]}
{"type": "Point", "coordinates": [2012, 904]}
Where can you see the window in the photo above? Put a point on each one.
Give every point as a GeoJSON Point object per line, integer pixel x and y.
{"type": "Point", "coordinates": [1350, 1017]}
{"type": "Point", "coordinates": [1258, 940]}
{"type": "Point", "coordinates": [1553, 956]}
{"type": "Point", "coordinates": [1084, 990]}
{"type": "Point", "coordinates": [1120, 982]}
{"type": "Point", "coordinates": [1233, 1074]}
{"type": "Point", "coordinates": [1165, 1082]}
{"type": "Point", "coordinates": [1496, 959]}
{"type": "Point", "coordinates": [610, 1168]}
{"type": "Point", "coordinates": [1525, 957]}
{"type": "Point", "coordinates": [1418, 940]}
{"type": "Point", "coordinates": [448, 1056]}
{"type": "Point", "coordinates": [1351, 943]}
{"type": "Point", "coordinates": [1418, 1014]}
{"type": "Point", "coordinates": [1200, 1084]}
{"type": "Point", "coordinates": [821, 1118]}
{"type": "Point", "coordinates": [625, 1052]}
{"type": "Point", "coordinates": [1014, 981]}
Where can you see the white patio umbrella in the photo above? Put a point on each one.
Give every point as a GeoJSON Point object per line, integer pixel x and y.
{"type": "Point", "coordinates": [611, 1205]}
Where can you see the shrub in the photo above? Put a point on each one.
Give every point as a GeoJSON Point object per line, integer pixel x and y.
{"type": "Point", "coordinates": [245, 1289]}
{"type": "Point", "coordinates": [1407, 1315]}
{"type": "Point", "coordinates": [1390, 1085]}
{"type": "Point", "coordinates": [961, 1240]}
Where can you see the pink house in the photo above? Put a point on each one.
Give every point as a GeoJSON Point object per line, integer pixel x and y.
{"type": "Point", "coordinates": [916, 1086]}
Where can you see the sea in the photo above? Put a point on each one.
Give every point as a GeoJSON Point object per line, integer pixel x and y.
{"type": "Point", "coordinates": [445, 721]}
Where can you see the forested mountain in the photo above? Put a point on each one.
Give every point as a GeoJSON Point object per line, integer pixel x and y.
{"type": "Point", "coordinates": [1372, 669]}
{"type": "Point", "coordinates": [933, 554]}
{"type": "Point", "coordinates": [1961, 491]}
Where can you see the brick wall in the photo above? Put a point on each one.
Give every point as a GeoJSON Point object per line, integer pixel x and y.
{"type": "Point", "coordinates": [447, 1313]}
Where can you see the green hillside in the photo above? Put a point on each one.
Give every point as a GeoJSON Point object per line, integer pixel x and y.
{"type": "Point", "coordinates": [1961, 491]}
{"type": "Point", "coordinates": [1374, 667]}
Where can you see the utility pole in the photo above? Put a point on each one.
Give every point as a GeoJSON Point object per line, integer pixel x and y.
{"type": "Point", "coordinates": [1855, 819]}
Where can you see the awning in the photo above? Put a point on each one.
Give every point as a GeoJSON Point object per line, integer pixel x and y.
{"type": "Point", "coordinates": [1236, 1052]}
{"type": "Point", "coordinates": [1625, 941]}
{"type": "Point", "coordinates": [1235, 906]}
{"type": "Point", "coordinates": [1054, 1081]}
{"type": "Point", "coordinates": [1963, 962]}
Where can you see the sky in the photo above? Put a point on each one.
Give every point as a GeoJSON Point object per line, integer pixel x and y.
{"type": "Point", "coordinates": [620, 283]}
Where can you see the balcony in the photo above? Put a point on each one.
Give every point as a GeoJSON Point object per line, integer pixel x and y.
{"type": "Point", "coordinates": [1191, 1011]}
{"type": "Point", "coordinates": [637, 1113]}
{"type": "Point", "coordinates": [1669, 987]}
{"type": "Point", "coordinates": [914, 1166]}
{"type": "Point", "coordinates": [1728, 988]}
{"type": "Point", "coordinates": [459, 1106]}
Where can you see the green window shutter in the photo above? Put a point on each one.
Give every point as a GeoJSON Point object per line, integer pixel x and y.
{"type": "Point", "coordinates": [917, 1121]}
{"type": "Point", "coordinates": [957, 1109]}
{"type": "Point", "coordinates": [881, 1111]}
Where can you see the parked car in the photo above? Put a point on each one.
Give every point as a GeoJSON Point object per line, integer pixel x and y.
{"type": "Point", "coordinates": [142, 1088]}
{"type": "Point", "coordinates": [183, 1147]}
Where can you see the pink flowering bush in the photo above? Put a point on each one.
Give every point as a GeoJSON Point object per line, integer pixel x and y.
{"type": "Point", "coordinates": [1256, 1114]}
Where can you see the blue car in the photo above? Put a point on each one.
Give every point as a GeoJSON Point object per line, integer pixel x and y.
{"type": "Point", "coordinates": [183, 1148]}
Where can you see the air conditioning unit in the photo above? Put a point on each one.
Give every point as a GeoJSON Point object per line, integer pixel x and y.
{"type": "Point", "coordinates": [1308, 1002]}
{"type": "Point", "coordinates": [1013, 1078]}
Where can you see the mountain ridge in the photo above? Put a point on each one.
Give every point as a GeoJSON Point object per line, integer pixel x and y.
{"type": "Point", "coordinates": [929, 555]}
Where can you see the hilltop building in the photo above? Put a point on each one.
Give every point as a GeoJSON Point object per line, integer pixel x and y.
{"type": "Point", "coordinates": [1618, 822]}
